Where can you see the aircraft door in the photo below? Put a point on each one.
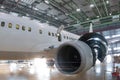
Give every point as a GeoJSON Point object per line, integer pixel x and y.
{"type": "Point", "coordinates": [59, 37]}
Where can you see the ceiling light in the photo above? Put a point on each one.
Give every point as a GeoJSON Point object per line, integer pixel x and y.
{"type": "Point", "coordinates": [98, 16]}
{"type": "Point", "coordinates": [47, 21]}
{"type": "Point", "coordinates": [92, 5]}
{"type": "Point", "coordinates": [35, 8]}
{"type": "Point", "coordinates": [46, 1]}
{"type": "Point", "coordinates": [78, 10]}
{"type": "Point", "coordinates": [56, 18]}
{"type": "Point", "coordinates": [66, 14]}
{"type": "Point", "coordinates": [110, 14]}
{"type": "Point", "coordinates": [88, 19]}
{"type": "Point", "coordinates": [68, 24]}
{"type": "Point", "coordinates": [107, 2]}
{"type": "Point", "coordinates": [2, 7]}
{"type": "Point", "coordinates": [27, 14]}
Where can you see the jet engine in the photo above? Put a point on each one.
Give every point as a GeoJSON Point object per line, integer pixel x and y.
{"type": "Point", "coordinates": [79, 56]}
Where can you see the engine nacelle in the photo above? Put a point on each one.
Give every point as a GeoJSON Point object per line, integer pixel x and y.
{"type": "Point", "coordinates": [98, 45]}
{"type": "Point", "coordinates": [79, 56]}
{"type": "Point", "coordinates": [74, 57]}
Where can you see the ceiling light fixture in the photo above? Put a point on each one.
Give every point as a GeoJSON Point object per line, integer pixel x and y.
{"type": "Point", "coordinates": [46, 1]}
{"type": "Point", "coordinates": [92, 5]}
{"type": "Point", "coordinates": [56, 18]}
{"type": "Point", "coordinates": [47, 21]}
{"type": "Point", "coordinates": [98, 16]}
{"type": "Point", "coordinates": [66, 14]}
{"type": "Point", "coordinates": [107, 2]}
{"type": "Point", "coordinates": [110, 14]}
{"type": "Point", "coordinates": [35, 8]}
{"type": "Point", "coordinates": [78, 10]}
{"type": "Point", "coordinates": [88, 19]}
{"type": "Point", "coordinates": [27, 15]}
{"type": "Point", "coordinates": [2, 7]}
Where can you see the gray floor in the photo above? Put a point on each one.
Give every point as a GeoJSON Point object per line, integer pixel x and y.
{"type": "Point", "coordinates": [102, 71]}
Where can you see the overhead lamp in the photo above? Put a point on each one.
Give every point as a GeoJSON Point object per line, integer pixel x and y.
{"type": "Point", "coordinates": [88, 19]}
{"type": "Point", "coordinates": [27, 15]}
{"type": "Point", "coordinates": [2, 7]}
{"type": "Point", "coordinates": [35, 8]}
{"type": "Point", "coordinates": [47, 21]}
{"type": "Point", "coordinates": [46, 1]}
{"type": "Point", "coordinates": [66, 14]}
{"type": "Point", "coordinates": [56, 18]}
{"type": "Point", "coordinates": [68, 24]}
{"type": "Point", "coordinates": [107, 2]}
{"type": "Point", "coordinates": [78, 10]}
{"type": "Point", "coordinates": [91, 5]}
{"type": "Point", "coordinates": [110, 14]}
{"type": "Point", "coordinates": [98, 16]}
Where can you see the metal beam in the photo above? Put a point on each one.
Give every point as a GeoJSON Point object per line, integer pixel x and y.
{"type": "Point", "coordinates": [106, 10]}
{"type": "Point", "coordinates": [95, 19]}
{"type": "Point", "coordinates": [62, 9]}
{"type": "Point", "coordinates": [103, 27]}
{"type": "Point", "coordinates": [97, 8]}
{"type": "Point", "coordinates": [22, 9]}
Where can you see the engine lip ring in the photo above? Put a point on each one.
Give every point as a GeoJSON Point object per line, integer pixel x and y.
{"type": "Point", "coordinates": [73, 44]}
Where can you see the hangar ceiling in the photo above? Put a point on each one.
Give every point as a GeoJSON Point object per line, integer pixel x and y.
{"type": "Point", "coordinates": [75, 15]}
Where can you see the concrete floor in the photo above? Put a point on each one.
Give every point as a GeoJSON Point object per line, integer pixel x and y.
{"type": "Point", "coordinates": [101, 71]}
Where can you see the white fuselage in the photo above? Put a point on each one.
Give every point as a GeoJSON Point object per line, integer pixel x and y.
{"type": "Point", "coordinates": [42, 36]}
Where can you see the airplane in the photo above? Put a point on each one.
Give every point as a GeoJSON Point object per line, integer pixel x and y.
{"type": "Point", "coordinates": [23, 38]}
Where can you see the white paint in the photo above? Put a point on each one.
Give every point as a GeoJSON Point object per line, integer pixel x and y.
{"type": "Point", "coordinates": [15, 40]}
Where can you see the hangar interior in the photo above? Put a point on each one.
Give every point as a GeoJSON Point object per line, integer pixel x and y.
{"type": "Point", "coordinates": [75, 15]}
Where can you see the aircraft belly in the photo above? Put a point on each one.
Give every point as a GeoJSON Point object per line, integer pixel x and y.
{"type": "Point", "coordinates": [14, 41]}
{"type": "Point", "coordinates": [11, 55]}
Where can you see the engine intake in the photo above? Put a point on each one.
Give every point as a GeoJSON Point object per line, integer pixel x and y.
{"type": "Point", "coordinates": [74, 57]}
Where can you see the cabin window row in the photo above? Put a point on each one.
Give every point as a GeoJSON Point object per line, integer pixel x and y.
{"type": "Point", "coordinates": [29, 29]}
{"type": "Point", "coordinates": [56, 35]}
{"type": "Point", "coordinates": [17, 26]}
{"type": "Point", "coordinates": [52, 34]}
{"type": "Point", "coordinates": [66, 37]}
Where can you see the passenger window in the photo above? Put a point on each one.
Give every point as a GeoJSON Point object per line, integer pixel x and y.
{"type": "Point", "coordinates": [10, 25]}
{"type": "Point", "coordinates": [67, 37]}
{"type": "Point", "coordinates": [17, 26]}
{"type": "Point", "coordinates": [29, 29]}
{"type": "Point", "coordinates": [49, 33]}
{"type": "Point", "coordinates": [52, 34]}
{"type": "Point", "coordinates": [23, 28]}
{"type": "Point", "coordinates": [40, 31]}
{"type": "Point", "coordinates": [56, 35]}
{"type": "Point", "coordinates": [64, 37]}
{"type": "Point", "coordinates": [2, 24]}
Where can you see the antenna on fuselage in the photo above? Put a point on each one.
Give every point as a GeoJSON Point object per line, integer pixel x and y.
{"type": "Point", "coordinates": [59, 32]}
{"type": "Point", "coordinates": [91, 28]}
{"type": "Point", "coordinates": [60, 29]}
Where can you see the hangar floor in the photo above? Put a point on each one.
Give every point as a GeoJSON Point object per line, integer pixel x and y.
{"type": "Point", "coordinates": [22, 71]}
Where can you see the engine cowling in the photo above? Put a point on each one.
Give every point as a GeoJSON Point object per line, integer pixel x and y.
{"type": "Point", "coordinates": [98, 45]}
{"type": "Point", "coordinates": [74, 57]}
{"type": "Point", "coordinates": [79, 56]}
